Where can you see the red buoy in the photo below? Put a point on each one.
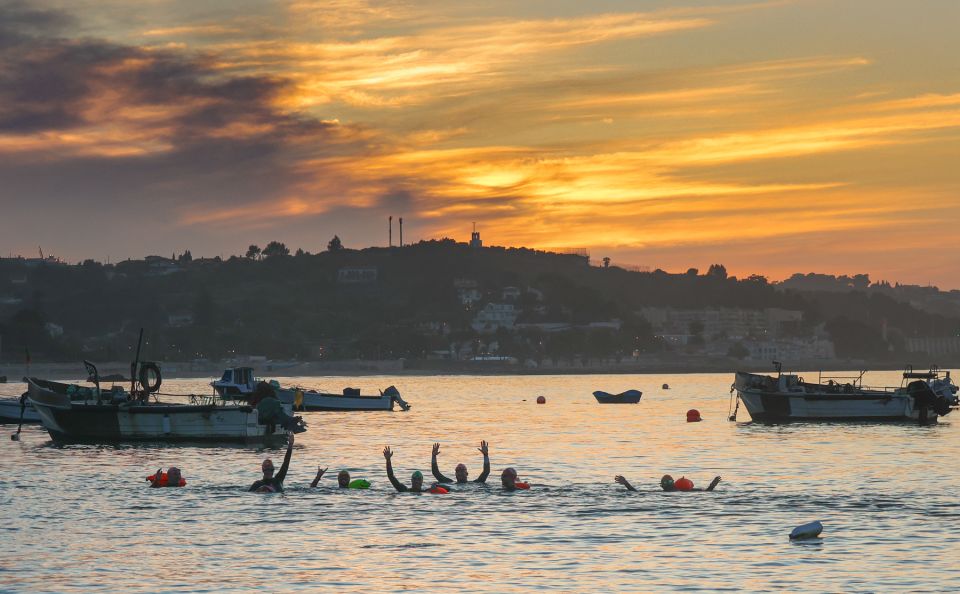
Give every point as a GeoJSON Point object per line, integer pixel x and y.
{"type": "Point", "coordinates": [683, 484]}
{"type": "Point", "coordinates": [693, 416]}
{"type": "Point", "coordinates": [541, 400]}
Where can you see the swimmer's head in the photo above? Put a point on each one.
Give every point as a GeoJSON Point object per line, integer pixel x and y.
{"type": "Point", "coordinates": [416, 480]}
{"type": "Point", "coordinates": [173, 476]}
{"type": "Point", "coordinates": [508, 478]}
{"type": "Point", "coordinates": [267, 468]}
{"type": "Point", "coordinates": [343, 479]}
{"type": "Point", "coordinates": [666, 483]}
{"type": "Point", "coordinates": [461, 473]}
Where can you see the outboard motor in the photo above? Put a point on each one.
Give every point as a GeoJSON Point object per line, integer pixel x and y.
{"type": "Point", "coordinates": [925, 399]}
{"type": "Point", "coordinates": [394, 394]}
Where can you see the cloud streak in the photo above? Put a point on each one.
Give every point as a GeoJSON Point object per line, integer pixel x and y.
{"type": "Point", "coordinates": [600, 129]}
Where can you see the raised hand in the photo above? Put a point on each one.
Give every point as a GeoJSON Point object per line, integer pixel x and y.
{"type": "Point", "coordinates": [320, 471]}
{"type": "Point", "coordinates": [436, 449]}
{"type": "Point", "coordinates": [620, 479]}
{"type": "Point", "coordinates": [483, 448]}
{"type": "Point", "coordinates": [387, 453]}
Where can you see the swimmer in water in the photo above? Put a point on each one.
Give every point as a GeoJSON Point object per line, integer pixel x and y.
{"type": "Point", "coordinates": [173, 478]}
{"type": "Point", "coordinates": [273, 483]}
{"type": "Point", "coordinates": [416, 479]}
{"type": "Point", "coordinates": [343, 480]}
{"type": "Point", "coordinates": [460, 472]}
{"type": "Point", "coordinates": [666, 483]}
{"type": "Point", "coordinates": [509, 482]}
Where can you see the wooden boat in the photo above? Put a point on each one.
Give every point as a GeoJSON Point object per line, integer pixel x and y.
{"type": "Point", "coordinates": [116, 416]}
{"type": "Point", "coordinates": [628, 397]}
{"type": "Point", "coordinates": [10, 410]}
{"type": "Point", "coordinates": [921, 397]}
{"type": "Point", "coordinates": [239, 383]}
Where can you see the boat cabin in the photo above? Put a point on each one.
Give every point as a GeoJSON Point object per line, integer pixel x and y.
{"type": "Point", "coordinates": [236, 381]}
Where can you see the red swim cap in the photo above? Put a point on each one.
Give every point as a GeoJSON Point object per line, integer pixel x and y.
{"type": "Point", "coordinates": [541, 400]}
{"type": "Point", "coordinates": [693, 416]}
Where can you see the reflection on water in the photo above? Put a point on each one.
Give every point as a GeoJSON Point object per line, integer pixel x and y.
{"type": "Point", "coordinates": [80, 517]}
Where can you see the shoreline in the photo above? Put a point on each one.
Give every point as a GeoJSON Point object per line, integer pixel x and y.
{"type": "Point", "coordinates": [677, 366]}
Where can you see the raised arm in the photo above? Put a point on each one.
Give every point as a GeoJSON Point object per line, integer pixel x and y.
{"type": "Point", "coordinates": [623, 481]}
{"type": "Point", "coordinates": [436, 469]}
{"type": "Point", "coordinates": [282, 473]}
{"type": "Point", "coordinates": [486, 462]}
{"type": "Point", "coordinates": [714, 483]}
{"type": "Point", "coordinates": [319, 476]}
{"type": "Point", "coordinates": [387, 454]}
{"type": "Point", "coordinates": [156, 478]}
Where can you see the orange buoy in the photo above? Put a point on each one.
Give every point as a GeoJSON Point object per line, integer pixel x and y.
{"type": "Point", "coordinates": [541, 400]}
{"type": "Point", "coordinates": [693, 416]}
{"type": "Point", "coordinates": [683, 484]}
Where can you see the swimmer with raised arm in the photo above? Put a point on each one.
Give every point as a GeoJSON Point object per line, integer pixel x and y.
{"type": "Point", "coordinates": [667, 484]}
{"type": "Point", "coordinates": [273, 483]}
{"type": "Point", "coordinates": [416, 479]}
{"type": "Point", "coordinates": [343, 480]}
{"type": "Point", "coordinates": [460, 472]}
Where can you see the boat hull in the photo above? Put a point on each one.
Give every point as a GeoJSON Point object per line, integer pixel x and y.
{"type": "Point", "coordinates": [10, 411]}
{"type": "Point", "coordinates": [319, 401]}
{"type": "Point", "coordinates": [628, 397]}
{"type": "Point", "coordinates": [776, 408]}
{"type": "Point", "coordinates": [67, 420]}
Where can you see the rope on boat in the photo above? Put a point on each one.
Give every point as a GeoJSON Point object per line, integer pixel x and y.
{"type": "Point", "coordinates": [732, 416]}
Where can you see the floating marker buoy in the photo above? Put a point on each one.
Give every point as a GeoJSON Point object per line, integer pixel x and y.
{"type": "Point", "coordinates": [693, 416]}
{"type": "Point", "coordinates": [541, 400]}
{"type": "Point", "coordinates": [666, 386]}
{"type": "Point", "coordinates": [811, 530]}
{"type": "Point", "coordinates": [683, 484]}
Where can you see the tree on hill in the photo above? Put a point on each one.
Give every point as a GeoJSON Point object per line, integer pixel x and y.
{"type": "Point", "coordinates": [335, 245]}
{"type": "Point", "coordinates": [275, 248]}
{"type": "Point", "coordinates": [717, 270]}
{"type": "Point", "coordinates": [253, 252]}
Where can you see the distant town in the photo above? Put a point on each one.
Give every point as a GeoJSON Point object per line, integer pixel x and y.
{"type": "Point", "coordinates": [453, 306]}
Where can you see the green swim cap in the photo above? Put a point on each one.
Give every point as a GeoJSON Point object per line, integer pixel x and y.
{"type": "Point", "coordinates": [359, 484]}
{"type": "Point", "coordinates": [417, 475]}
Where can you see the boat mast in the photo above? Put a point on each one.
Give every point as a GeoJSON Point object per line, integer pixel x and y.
{"type": "Point", "coordinates": [134, 365]}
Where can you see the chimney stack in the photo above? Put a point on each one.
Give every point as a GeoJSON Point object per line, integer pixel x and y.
{"type": "Point", "coordinates": [390, 232]}
{"type": "Point", "coordinates": [401, 231]}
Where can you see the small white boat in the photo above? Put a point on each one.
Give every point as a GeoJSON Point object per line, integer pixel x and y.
{"type": "Point", "coordinates": [10, 409]}
{"type": "Point", "coordinates": [922, 397]}
{"type": "Point", "coordinates": [239, 383]}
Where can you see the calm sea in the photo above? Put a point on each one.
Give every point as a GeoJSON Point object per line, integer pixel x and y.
{"type": "Point", "coordinates": [82, 518]}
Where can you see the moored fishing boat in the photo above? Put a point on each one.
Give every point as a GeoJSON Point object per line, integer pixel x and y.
{"type": "Point", "coordinates": [116, 415]}
{"type": "Point", "coordinates": [921, 397]}
{"type": "Point", "coordinates": [239, 383]}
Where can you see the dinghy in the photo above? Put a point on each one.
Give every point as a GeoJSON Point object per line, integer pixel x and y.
{"type": "Point", "coordinates": [628, 397]}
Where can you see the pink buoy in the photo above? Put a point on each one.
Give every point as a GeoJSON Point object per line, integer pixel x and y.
{"type": "Point", "coordinates": [693, 416]}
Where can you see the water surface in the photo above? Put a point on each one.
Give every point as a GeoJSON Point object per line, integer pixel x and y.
{"type": "Point", "coordinates": [77, 518]}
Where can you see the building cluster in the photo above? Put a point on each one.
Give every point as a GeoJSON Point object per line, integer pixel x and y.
{"type": "Point", "coordinates": [758, 334]}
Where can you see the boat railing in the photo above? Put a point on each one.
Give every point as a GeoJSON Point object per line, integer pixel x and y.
{"type": "Point", "coordinates": [855, 380]}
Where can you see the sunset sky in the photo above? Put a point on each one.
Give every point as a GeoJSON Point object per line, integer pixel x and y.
{"type": "Point", "coordinates": [773, 137]}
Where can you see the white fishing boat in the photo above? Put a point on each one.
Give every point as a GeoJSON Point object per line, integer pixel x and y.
{"type": "Point", "coordinates": [115, 416]}
{"type": "Point", "coordinates": [921, 397]}
{"type": "Point", "coordinates": [240, 383]}
{"type": "Point", "coordinates": [11, 409]}
{"type": "Point", "coordinates": [71, 412]}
